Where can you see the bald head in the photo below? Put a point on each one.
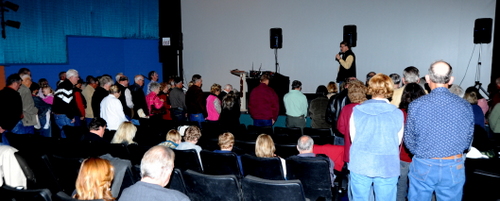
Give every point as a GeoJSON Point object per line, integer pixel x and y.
{"type": "Point", "coordinates": [305, 144]}
{"type": "Point", "coordinates": [440, 72]}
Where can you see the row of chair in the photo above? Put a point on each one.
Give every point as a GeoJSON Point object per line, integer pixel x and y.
{"type": "Point", "coordinates": [199, 186]}
{"type": "Point", "coordinates": [314, 172]}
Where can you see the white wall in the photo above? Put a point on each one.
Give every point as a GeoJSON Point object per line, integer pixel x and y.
{"type": "Point", "coordinates": [221, 35]}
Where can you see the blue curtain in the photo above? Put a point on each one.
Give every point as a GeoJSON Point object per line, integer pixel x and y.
{"type": "Point", "coordinates": [46, 23]}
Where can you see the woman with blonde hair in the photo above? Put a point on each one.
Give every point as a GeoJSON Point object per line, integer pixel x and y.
{"type": "Point", "coordinates": [264, 148]}
{"type": "Point", "coordinates": [94, 180]}
{"type": "Point", "coordinates": [173, 139]}
{"type": "Point", "coordinates": [112, 109]}
{"type": "Point", "coordinates": [125, 134]}
{"type": "Point", "coordinates": [213, 103]}
{"type": "Point", "coordinates": [376, 129]}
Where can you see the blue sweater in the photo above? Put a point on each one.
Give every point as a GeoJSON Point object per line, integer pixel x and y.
{"type": "Point", "coordinates": [375, 147]}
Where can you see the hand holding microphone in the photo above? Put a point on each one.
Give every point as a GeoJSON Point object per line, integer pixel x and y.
{"type": "Point", "coordinates": [339, 56]}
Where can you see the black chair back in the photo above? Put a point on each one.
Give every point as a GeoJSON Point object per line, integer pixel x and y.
{"type": "Point", "coordinates": [9, 193]}
{"type": "Point", "coordinates": [320, 135]}
{"type": "Point", "coordinates": [202, 187]}
{"type": "Point", "coordinates": [66, 170]}
{"type": "Point", "coordinates": [255, 188]}
{"type": "Point", "coordinates": [251, 129]}
{"type": "Point", "coordinates": [187, 159]}
{"type": "Point", "coordinates": [28, 172]}
{"type": "Point", "coordinates": [177, 181]}
{"type": "Point", "coordinates": [220, 163]}
{"type": "Point", "coordinates": [286, 150]}
{"type": "Point", "coordinates": [314, 173]}
{"type": "Point", "coordinates": [266, 168]}
{"type": "Point", "coordinates": [244, 147]}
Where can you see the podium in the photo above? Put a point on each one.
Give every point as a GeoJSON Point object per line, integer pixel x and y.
{"type": "Point", "coordinates": [280, 83]}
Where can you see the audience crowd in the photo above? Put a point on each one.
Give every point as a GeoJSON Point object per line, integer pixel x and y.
{"type": "Point", "coordinates": [387, 125]}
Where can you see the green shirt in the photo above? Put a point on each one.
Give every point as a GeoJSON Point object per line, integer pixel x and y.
{"type": "Point", "coordinates": [295, 103]}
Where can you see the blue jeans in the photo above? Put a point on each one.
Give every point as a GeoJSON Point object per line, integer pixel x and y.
{"type": "Point", "coordinates": [262, 122]}
{"type": "Point", "coordinates": [197, 117]}
{"type": "Point", "coordinates": [403, 181]}
{"type": "Point", "coordinates": [45, 132]}
{"type": "Point", "coordinates": [62, 120]}
{"type": "Point", "coordinates": [444, 176]}
{"type": "Point", "coordinates": [21, 129]}
{"type": "Point", "coordinates": [384, 188]}
{"type": "Point", "coordinates": [178, 115]}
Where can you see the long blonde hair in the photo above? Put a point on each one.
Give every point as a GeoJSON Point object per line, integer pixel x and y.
{"type": "Point", "coordinates": [264, 146]}
{"type": "Point", "coordinates": [94, 180]}
{"type": "Point", "coordinates": [125, 133]}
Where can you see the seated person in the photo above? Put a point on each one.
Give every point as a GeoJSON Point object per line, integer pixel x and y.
{"type": "Point", "coordinates": [173, 139]}
{"type": "Point", "coordinates": [264, 148]}
{"type": "Point", "coordinates": [305, 148]}
{"type": "Point", "coordinates": [191, 137]}
{"type": "Point", "coordinates": [226, 143]}
{"type": "Point", "coordinates": [97, 127]}
{"type": "Point", "coordinates": [94, 180]}
{"type": "Point", "coordinates": [125, 134]}
{"type": "Point", "coordinates": [156, 168]}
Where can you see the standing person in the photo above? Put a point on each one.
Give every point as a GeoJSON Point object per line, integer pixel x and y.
{"type": "Point", "coordinates": [153, 77]}
{"type": "Point", "coordinates": [410, 75]}
{"type": "Point", "coordinates": [347, 61]}
{"type": "Point", "coordinates": [438, 162]}
{"type": "Point", "coordinates": [100, 93]}
{"type": "Point", "coordinates": [87, 93]}
{"type": "Point", "coordinates": [376, 129]}
{"type": "Point", "coordinates": [263, 104]}
{"type": "Point", "coordinates": [126, 96]}
{"type": "Point", "coordinates": [138, 97]}
{"type": "Point", "coordinates": [228, 88]}
{"type": "Point", "coordinates": [296, 106]}
{"type": "Point", "coordinates": [30, 112]}
{"type": "Point", "coordinates": [164, 94]}
{"type": "Point", "coordinates": [66, 106]}
{"type": "Point", "coordinates": [357, 95]}
{"type": "Point", "coordinates": [11, 109]}
{"type": "Point", "coordinates": [230, 114]}
{"type": "Point", "coordinates": [178, 101]}
{"type": "Point", "coordinates": [213, 103]}
{"type": "Point", "coordinates": [112, 109]}
{"type": "Point", "coordinates": [62, 77]}
{"type": "Point", "coordinates": [155, 104]}
{"type": "Point", "coordinates": [318, 108]}
{"type": "Point", "coordinates": [411, 92]}
{"type": "Point", "coordinates": [195, 101]}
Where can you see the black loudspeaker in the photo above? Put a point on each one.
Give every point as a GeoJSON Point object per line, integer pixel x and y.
{"type": "Point", "coordinates": [482, 30]}
{"type": "Point", "coordinates": [276, 37]}
{"type": "Point", "coordinates": [350, 35]}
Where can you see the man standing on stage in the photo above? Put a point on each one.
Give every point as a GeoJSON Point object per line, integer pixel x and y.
{"type": "Point", "coordinates": [347, 61]}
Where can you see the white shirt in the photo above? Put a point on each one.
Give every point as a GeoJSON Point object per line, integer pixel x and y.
{"type": "Point", "coordinates": [112, 112]}
{"type": "Point", "coordinates": [128, 98]}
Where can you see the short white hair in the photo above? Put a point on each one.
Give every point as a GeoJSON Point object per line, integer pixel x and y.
{"type": "Point", "coordinates": [138, 77]}
{"type": "Point", "coordinates": [228, 87]}
{"type": "Point", "coordinates": [24, 76]}
{"type": "Point", "coordinates": [71, 73]}
{"type": "Point", "coordinates": [118, 76]}
{"type": "Point", "coordinates": [157, 163]}
{"type": "Point", "coordinates": [305, 143]}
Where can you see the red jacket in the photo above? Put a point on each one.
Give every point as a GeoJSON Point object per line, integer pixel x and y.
{"type": "Point", "coordinates": [263, 103]}
{"type": "Point", "coordinates": [343, 127]}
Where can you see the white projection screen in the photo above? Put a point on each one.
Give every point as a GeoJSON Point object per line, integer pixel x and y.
{"type": "Point", "coordinates": [221, 35]}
